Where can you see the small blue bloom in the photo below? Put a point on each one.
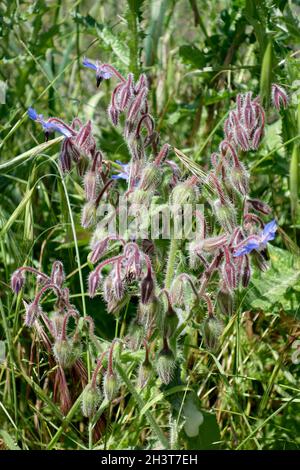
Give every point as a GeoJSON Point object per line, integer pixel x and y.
{"type": "Point", "coordinates": [88, 64]}
{"type": "Point", "coordinates": [124, 173]}
{"type": "Point", "coordinates": [102, 71]}
{"type": "Point", "coordinates": [257, 242]}
{"type": "Point", "coordinates": [48, 127]}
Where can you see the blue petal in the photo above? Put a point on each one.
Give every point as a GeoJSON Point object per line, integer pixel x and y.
{"type": "Point", "coordinates": [270, 229]}
{"type": "Point", "coordinates": [89, 64]}
{"type": "Point", "coordinates": [32, 114]}
{"type": "Point", "coordinates": [247, 248]}
{"type": "Point", "coordinates": [122, 176]}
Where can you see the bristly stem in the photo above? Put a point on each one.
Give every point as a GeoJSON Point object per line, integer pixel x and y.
{"type": "Point", "coordinates": [171, 263]}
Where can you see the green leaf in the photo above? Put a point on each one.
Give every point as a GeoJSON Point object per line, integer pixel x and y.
{"type": "Point", "coordinates": [280, 285]}
{"type": "Point", "coordinates": [191, 55]}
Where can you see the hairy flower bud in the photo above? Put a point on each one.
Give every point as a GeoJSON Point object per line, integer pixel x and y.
{"type": "Point", "coordinates": [225, 214]}
{"type": "Point", "coordinates": [90, 185]}
{"type": "Point", "coordinates": [110, 385]}
{"type": "Point", "coordinates": [165, 365]}
{"type": "Point", "coordinates": [170, 322]}
{"type": "Point", "coordinates": [32, 312]}
{"type": "Point", "coordinates": [99, 249]}
{"type": "Point", "coordinates": [212, 330]}
{"type": "Point", "coordinates": [94, 281]}
{"type": "Point", "coordinates": [17, 281]}
{"type": "Point", "coordinates": [66, 352]}
{"type": "Point", "coordinates": [184, 193]}
{"type": "Point", "coordinates": [88, 215]}
{"type": "Point", "coordinates": [147, 287]}
{"type": "Point", "coordinates": [246, 271]}
{"type": "Point", "coordinates": [225, 301]}
{"type": "Point", "coordinates": [151, 177]}
{"type": "Point", "coordinates": [91, 398]}
{"type": "Point", "coordinates": [113, 114]}
{"type": "Point", "coordinates": [144, 374]}
{"type": "Point", "coordinates": [279, 97]}
{"type": "Point", "coordinates": [57, 273]}
{"type": "Point", "coordinates": [260, 206]}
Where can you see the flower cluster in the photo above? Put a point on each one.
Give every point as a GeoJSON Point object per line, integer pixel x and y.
{"type": "Point", "coordinates": [219, 257]}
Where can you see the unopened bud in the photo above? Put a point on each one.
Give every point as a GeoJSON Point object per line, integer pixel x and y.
{"type": "Point", "coordinates": [91, 399]}
{"type": "Point", "coordinates": [88, 216]}
{"type": "Point", "coordinates": [90, 185]}
{"type": "Point", "coordinates": [165, 365]}
{"type": "Point", "coordinates": [212, 330]}
{"type": "Point", "coordinates": [151, 177]}
{"type": "Point", "coordinates": [225, 301]}
{"type": "Point", "coordinates": [147, 287]}
{"type": "Point", "coordinates": [32, 312]}
{"type": "Point", "coordinates": [279, 97]}
{"type": "Point", "coordinates": [144, 374]}
{"type": "Point", "coordinates": [184, 193]}
{"type": "Point", "coordinates": [113, 114]}
{"type": "Point", "coordinates": [17, 281]}
{"type": "Point", "coordinates": [110, 385]}
{"type": "Point", "coordinates": [260, 206]}
{"type": "Point", "coordinates": [94, 281]}
{"type": "Point", "coordinates": [225, 214]}
{"type": "Point", "coordinates": [57, 273]}
{"type": "Point", "coordinates": [66, 352]}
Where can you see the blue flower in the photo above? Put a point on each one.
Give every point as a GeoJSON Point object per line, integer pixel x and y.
{"type": "Point", "coordinates": [48, 126]}
{"type": "Point", "coordinates": [124, 173]}
{"type": "Point", "coordinates": [88, 64]}
{"type": "Point", "coordinates": [102, 70]}
{"type": "Point", "coordinates": [257, 242]}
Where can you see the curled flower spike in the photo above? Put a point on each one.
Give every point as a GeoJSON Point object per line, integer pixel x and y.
{"type": "Point", "coordinates": [279, 97]}
{"type": "Point", "coordinates": [257, 242]}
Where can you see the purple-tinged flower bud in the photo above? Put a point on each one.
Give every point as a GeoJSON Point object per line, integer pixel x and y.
{"type": "Point", "coordinates": [118, 287]}
{"type": "Point", "coordinates": [32, 312]}
{"type": "Point", "coordinates": [88, 216]}
{"type": "Point", "coordinates": [65, 156]}
{"type": "Point", "coordinates": [166, 364]}
{"type": "Point", "coordinates": [91, 399]}
{"type": "Point", "coordinates": [150, 178]}
{"type": "Point", "coordinates": [212, 330]}
{"type": "Point", "coordinates": [98, 250]}
{"type": "Point", "coordinates": [17, 281]}
{"type": "Point", "coordinates": [90, 185]}
{"type": "Point", "coordinates": [246, 273]}
{"type": "Point", "coordinates": [57, 273]}
{"type": "Point", "coordinates": [125, 93]}
{"type": "Point", "coordinates": [248, 113]}
{"type": "Point", "coordinates": [94, 282]}
{"type": "Point", "coordinates": [241, 138]}
{"type": "Point", "coordinates": [260, 206]}
{"type": "Point", "coordinates": [258, 133]}
{"type": "Point", "coordinates": [113, 114]}
{"type": "Point", "coordinates": [141, 83]}
{"type": "Point", "coordinates": [66, 352]}
{"type": "Point", "coordinates": [279, 97]}
{"type": "Point", "coordinates": [163, 154]}
{"type": "Point", "coordinates": [229, 271]}
{"type": "Point", "coordinates": [110, 385]}
{"type": "Point", "coordinates": [108, 292]}
{"type": "Point", "coordinates": [147, 287]}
